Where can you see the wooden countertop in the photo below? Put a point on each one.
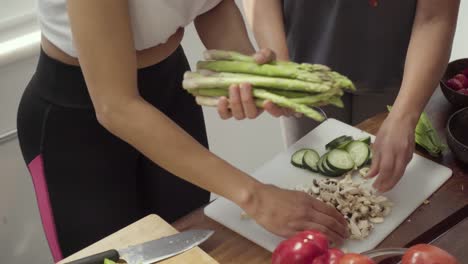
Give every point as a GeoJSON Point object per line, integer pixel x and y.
{"type": "Point", "coordinates": [422, 226]}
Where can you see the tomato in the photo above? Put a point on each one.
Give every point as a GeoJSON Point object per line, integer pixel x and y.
{"type": "Point", "coordinates": [296, 250]}
{"type": "Point", "coordinates": [316, 237]}
{"type": "Point", "coordinates": [334, 256]}
{"type": "Point", "coordinates": [302, 248]}
{"type": "Point", "coordinates": [352, 258]}
{"type": "Point", "coordinates": [427, 254]}
{"type": "Point", "coordinates": [331, 257]}
{"type": "Point", "coordinates": [373, 3]}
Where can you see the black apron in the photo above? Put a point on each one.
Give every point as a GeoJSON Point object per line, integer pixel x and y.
{"type": "Point", "coordinates": [367, 44]}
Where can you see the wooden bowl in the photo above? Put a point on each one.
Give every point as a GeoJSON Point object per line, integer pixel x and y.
{"type": "Point", "coordinates": [458, 100]}
{"type": "Point", "coordinates": [457, 134]}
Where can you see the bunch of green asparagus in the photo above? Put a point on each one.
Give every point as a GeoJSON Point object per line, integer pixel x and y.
{"type": "Point", "coordinates": [299, 87]}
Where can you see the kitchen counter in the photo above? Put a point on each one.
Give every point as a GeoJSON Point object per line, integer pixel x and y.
{"type": "Point", "coordinates": [446, 210]}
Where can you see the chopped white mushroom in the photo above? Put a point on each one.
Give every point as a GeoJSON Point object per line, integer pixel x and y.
{"type": "Point", "coordinates": [364, 171]}
{"type": "Point", "coordinates": [359, 206]}
{"type": "Point", "coordinates": [376, 220]}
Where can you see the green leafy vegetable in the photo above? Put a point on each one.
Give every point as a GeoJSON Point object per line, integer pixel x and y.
{"type": "Point", "coordinates": [108, 261]}
{"type": "Point", "coordinates": [426, 136]}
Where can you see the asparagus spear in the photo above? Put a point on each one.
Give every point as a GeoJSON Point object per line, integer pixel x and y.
{"type": "Point", "coordinates": [235, 56]}
{"type": "Point", "coordinates": [226, 55]}
{"type": "Point", "coordinates": [223, 80]}
{"type": "Point", "coordinates": [271, 70]}
{"type": "Point", "coordinates": [213, 102]}
{"type": "Point", "coordinates": [336, 101]}
{"type": "Point", "coordinates": [318, 100]}
{"type": "Point", "coordinates": [263, 95]}
{"type": "Point", "coordinates": [285, 102]}
{"type": "Point", "coordinates": [301, 97]}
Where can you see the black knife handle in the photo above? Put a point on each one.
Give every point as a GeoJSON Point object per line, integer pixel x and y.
{"type": "Point", "coordinates": [98, 258]}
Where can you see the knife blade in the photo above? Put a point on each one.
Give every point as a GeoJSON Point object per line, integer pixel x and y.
{"type": "Point", "coordinates": [152, 251]}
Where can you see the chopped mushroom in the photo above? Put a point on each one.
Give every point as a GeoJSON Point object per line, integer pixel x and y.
{"type": "Point", "coordinates": [376, 220]}
{"type": "Point", "coordinates": [360, 206]}
{"type": "Point", "coordinates": [364, 171]}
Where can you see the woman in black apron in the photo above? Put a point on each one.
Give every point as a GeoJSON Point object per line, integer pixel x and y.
{"type": "Point", "coordinates": [395, 52]}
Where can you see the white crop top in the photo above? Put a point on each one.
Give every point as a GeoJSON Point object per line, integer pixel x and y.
{"type": "Point", "coordinates": [152, 21]}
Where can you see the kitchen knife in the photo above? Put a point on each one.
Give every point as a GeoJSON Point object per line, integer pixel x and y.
{"type": "Point", "coordinates": [151, 251]}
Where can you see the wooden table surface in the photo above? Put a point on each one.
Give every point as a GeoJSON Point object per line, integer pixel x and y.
{"type": "Point", "coordinates": [446, 210]}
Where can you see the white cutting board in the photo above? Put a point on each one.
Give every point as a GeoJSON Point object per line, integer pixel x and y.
{"type": "Point", "coordinates": [421, 179]}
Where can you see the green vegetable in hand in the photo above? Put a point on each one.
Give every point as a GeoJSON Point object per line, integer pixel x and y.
{"type": "Point", "coordinates": [426, 136]}
{"type": "Point", "coordinates": [299, 87]}
{"type": "Point", "coordinates": [222, 80]}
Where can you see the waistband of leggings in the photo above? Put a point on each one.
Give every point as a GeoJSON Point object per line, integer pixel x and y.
{"type": "Point", "coordinates": [63, 84]}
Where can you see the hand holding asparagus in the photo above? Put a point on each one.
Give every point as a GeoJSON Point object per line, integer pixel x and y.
{"type": "Point", "coordinates": [298, 87]}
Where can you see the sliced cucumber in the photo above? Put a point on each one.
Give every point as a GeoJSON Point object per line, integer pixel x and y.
{"type": "Point", "coordinates": [359, 152]}
{"type": "Point", "coordinates": [369, 159]}
{"type": "Point", "coordinates": [366, 140]}
{"type": "Point", "coordinates": [339, 141]}
{"type": "Point", "coordinates": [340, 160]}
{"type": "Point", "coordinates": [310, 160]}
{"type": "Point", "coordinates": [296, 158]}
{"type": "Point", "coordinates": [320, 168]}
{"type": "Point", "coordinates": [330, 171]}
{"type": "Point", "coordinates": [344, 145]}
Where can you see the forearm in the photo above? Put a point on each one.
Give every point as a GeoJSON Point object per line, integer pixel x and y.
{"type": "Point", "coordinates": [428, 54]}
{"type": "Point", "coordinates": [103, 37]}
{"type": "Point", "coordinates": [223, 28]}
{"type": "Point", "coordinates": [165, 143]}
{"type": "Point", "coordinates": [265, 18]}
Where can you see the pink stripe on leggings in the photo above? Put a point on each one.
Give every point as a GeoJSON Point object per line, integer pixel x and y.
{"type": "Point", "coordinates": [36, 168]}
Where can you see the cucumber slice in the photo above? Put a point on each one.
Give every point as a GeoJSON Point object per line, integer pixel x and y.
{"type": "Point", "coordinates": [369, 159]}
{"type": "Point", "coordinates": [320, 165]}
{"type": "Point", "coordinates": [330, 171]}
{"type": "Point", "coordinates": [340, 160]}
{"type": "Point", "coordinates": [359, 152]}
{"type": "Point", "coordinates": [324, 169]}
{"type": "Point", "coordinates": [339, 141]}
{"type": "Point", "coordinates": [296, 158]}
{"type": "Point", "coordinates": [366, 140]}
{"type": "Point", "coordinates": [344, 145]}
{"type": "Point", "coordinates": [310, 160]}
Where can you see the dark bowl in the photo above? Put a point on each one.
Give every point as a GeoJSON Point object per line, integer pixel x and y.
{"type": "Point", "coordinates": [458, 100]}
{"type": "Point", "coordinates": [457, 134]}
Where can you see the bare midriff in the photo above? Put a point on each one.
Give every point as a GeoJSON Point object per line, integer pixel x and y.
{"type": "Point", "coordinates": [145, 58]}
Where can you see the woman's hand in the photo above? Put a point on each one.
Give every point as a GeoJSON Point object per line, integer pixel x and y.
{"type": "Point", "coordinates": [241, 103]}
{"type": "Point", "coordinates": [392, 151]}
{"type": "Point", "coordinates": [286, 213]}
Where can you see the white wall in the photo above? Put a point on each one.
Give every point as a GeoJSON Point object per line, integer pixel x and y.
{"type": "Point", "coordinates": [21, 235]}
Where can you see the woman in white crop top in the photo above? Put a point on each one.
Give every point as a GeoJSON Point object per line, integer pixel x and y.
{"type": "Point", "coordinates": [110, 136]}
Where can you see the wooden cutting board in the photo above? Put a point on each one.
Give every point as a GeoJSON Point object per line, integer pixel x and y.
{"type": "Point", "coordinates": [148, 228]}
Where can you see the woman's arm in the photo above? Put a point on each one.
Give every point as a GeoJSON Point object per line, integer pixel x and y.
{"type": "Point", "coordinates": [265, 17]}
{"type": "Point", "coordinates": [223, 28]}
{"type": "Point", "coordinates": [102, 34]}
{"type": "Point", "coordinates": [428, 53]}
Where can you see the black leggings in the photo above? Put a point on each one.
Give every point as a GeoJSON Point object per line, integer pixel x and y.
{"type": "Point", "coordinates": [88, 182]}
